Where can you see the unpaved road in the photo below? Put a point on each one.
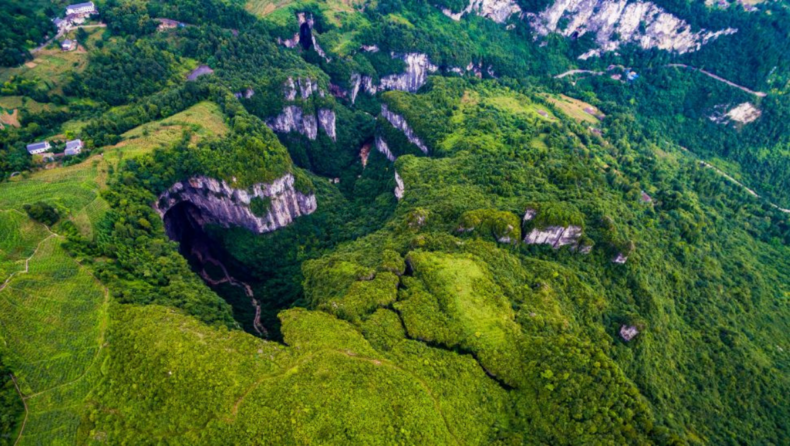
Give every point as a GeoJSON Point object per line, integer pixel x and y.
{"type": "Point", "coordinates": [718, 78]}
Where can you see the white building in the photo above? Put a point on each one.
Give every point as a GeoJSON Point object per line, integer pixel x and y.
{"type": "Point", "coordinates": [39, 147]}
{"type": "Point", "coordinates": [74, 147]}
{"type": "Point", "coordinates": [68, 45]}
{"type": "Point", "coordinates": [81, 8]}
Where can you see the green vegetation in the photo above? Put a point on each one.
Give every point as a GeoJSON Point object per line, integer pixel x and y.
{"type": "Point", "coordinates": [42, 213]}
{"type": "Point", "coordinates": [423, 319]}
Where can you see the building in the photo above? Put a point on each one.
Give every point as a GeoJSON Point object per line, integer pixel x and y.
{"type": "Point", "coordinates": [38, 147]}
{"type": "Point", "coordinates": [81, 8]}
{"type": "Point", "coordinates": [74, 147]}
{"type": "Point", "coordinates": [68, 45]}
{"type": "Point", "coordinates": [60, 23]}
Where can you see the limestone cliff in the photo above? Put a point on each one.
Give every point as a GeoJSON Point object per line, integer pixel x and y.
{"type": "Point", "coordinates": [293, 118]}
{"type": "Point", "coordinates": [496, 10]}
{"type": "Point", "coordinates": [615, 22]}
{"type": "Point", "coordinates": [221, 204]}
{"type": "Point", "coordinates": [400, 187]}
{"type": "Point", "coordinates": [418, 66]}
{"type": "Point", "coordinates": [383, 148]}
{"type": "Point", "coordinates": [399, 122]}
{"type": "Point", "coordinates": [556, 236]}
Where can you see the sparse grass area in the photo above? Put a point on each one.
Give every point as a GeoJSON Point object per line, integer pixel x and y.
{"type": "Point", "coordinates": [204, 119]}
{"type": "Point", "coordinates": [574, 108]}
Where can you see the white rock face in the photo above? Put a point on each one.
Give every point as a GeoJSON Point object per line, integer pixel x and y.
{"type": "Point", "coordinates": [304, 86]}
{"type": "Point", "coordinates": [620, 258]}
{"type": "Point", "coordinates": [326, 119]}
{"type": "Point", "coordinates": [556, 236]}
{"type": "Point", "coordinates": [399, 122]}
{"type": "Point", "coordinates": [221, 204]}
{"type": "Point", "coordinates": [418, 66]}
{"type": "Point", "coordinates": [530, 214]}
{"type": "Point", "coordinates": [293, 119]}
{"type": "Point", "coordinates": [642, 23]}
{"type": "Point", "coordinates": [400, 188]}
{"type": "Point", "coordinates": [496, 10]}
{"type": "Point", "coordinates": [382, 147]}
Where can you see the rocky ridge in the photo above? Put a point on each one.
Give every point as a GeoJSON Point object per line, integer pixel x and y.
{"type": "Point", "coordinates": [293, 118]}
{"type": "Point", "coordinates": [496, 10]}
{"type": "Point", "coordinates": [418, 66]}
{"type": "Point", "coordinates": [221, 204]}
{"type": "Point", "coordinates": [399, 122]}
{"type": "Point", "coordinates": [616, 22]}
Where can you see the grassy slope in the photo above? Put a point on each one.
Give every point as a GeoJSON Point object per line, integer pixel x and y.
{"type": "Point", "coordinates": [204, 120]}
{"type": "Point", "coordinates": [53, 315]}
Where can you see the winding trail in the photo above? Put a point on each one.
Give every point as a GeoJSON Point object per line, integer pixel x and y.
{"type": "Point", "coordinates": [572, 72]}
{"type": "Point", "coordinates": [718, 78]}
{"type": "Point", "coordinates": [204, 258]}
{"type": "Point", "coordinates": [733, 180]}
{"type": "Point", "coordinates": [27, 261]}
{"type": "Point", "coordinates": [60, 34]}
{"type": "Point", "coordinates": [24, 402]}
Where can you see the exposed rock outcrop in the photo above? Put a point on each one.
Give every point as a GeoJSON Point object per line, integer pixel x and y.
{"type": "Point", "coordinates": [293, 118]}
{"type": "Point", "coordinates": [400, 187]}
{"type": "Point", "coordinates": [326, 120]}
{"type": "Point", "coordinates": [304, 86]}
{"type": "Point", "coordinates": [418, 66]}
{"type": "Point", "coordinates": [382, 147]}
{"type": "Point", "coordinates": [556, 236]}
{"type": "Point", "coordinates": [617, 21]}
{"type": "Point", "coordinates": [496, 10]}
{"type": "Point", "coordinates": [620, 258]}
{"type": "Point", "coordinates": [628, 332]}
{"type": "Point", "coordinates": [742, 114]}
{"type": "Point", "coordinates": [221, 204]}
{"type": "Point", "coordinates": [399, 122]}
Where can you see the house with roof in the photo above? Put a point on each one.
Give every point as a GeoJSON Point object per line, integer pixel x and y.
{"type": "Point", "coordinates": [74, 147]}
{"type": "Point", "coordinates": [38, 147]}
{"type": "Point", "coordinates": [81, 9]}
{"type": "Point", "coordinates": [61, 24]}
{"type": "Point", "coordinates": [68, 45]}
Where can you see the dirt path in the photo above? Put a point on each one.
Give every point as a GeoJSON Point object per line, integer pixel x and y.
{"type": "Point", "coordinates": [60, 34]}
{"type": "Point", "coordinates": [256, 322]}
{"type": "Point", "coordinates": [733, 180]}
{"type": "Point", "coordinates": [24, 402]}
{"type": "Point", "coordinates": [572, 72]}
{"type": "Point", "coordinates": [718, 78]}
{"type": "Point", "coordinates": [27, 261]}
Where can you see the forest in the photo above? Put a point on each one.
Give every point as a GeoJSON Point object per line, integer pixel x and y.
{"type": "Point", "coordinates": [409, 307]}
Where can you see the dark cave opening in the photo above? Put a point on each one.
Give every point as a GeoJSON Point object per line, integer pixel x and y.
{"type": "Point", "coordinates": [305, 36]}
{"type": "Point", "coordinates": [184, 223]}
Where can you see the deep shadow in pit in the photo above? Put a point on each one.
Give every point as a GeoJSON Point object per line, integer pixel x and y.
{"type": "Point", "coordinates": [184, 223]}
